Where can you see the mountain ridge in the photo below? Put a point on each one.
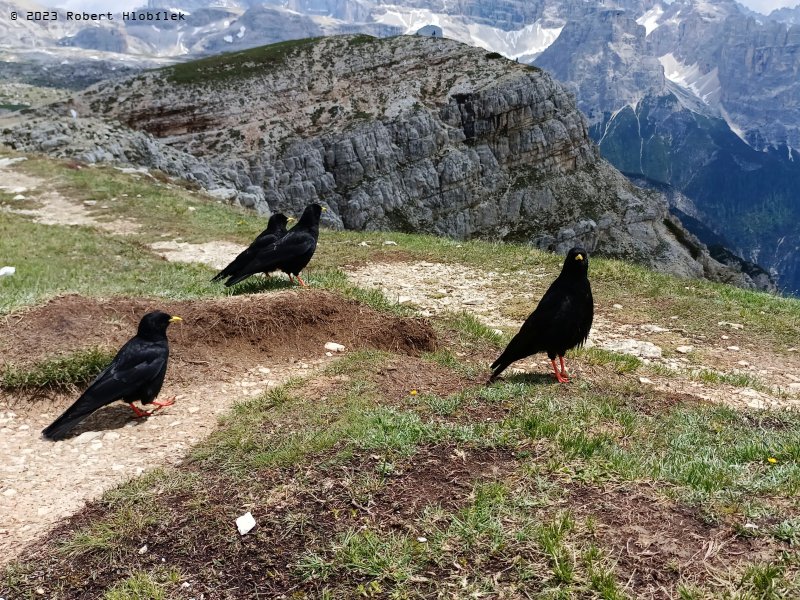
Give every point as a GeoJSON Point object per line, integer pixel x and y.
{"type": "Point", "coordinates": [406, 133]}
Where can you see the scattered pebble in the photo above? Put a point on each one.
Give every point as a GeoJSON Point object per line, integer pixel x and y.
{"type": "Point", "coordinates": [7, 271]}
{"type": "Point", "coordinates": [389, 243]}
{"type": "Point", "coordinates": [143, 549]}
{"type": "Point", "coordinates": [652, 328]}
{"type": "Point", "coordinates": [684, 349]}
{"type": "Point", "coordinates": [731, 325]}
{"type": "Point", "coordinates": [645, 380]}
{"type": "Point", "coordinates": [334, 347]}
{"type": "Point", "coordinates": [618, 306]}
{"type": "Point", "coordinates": [733, 348]}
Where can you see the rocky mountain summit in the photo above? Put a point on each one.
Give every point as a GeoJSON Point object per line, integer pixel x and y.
{"type": "Point", "coordinates": [407, 133]}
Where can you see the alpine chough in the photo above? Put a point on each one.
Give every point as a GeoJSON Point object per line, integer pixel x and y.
{"type": "Point", "coordinates": [276, 229]}
{"type": "Point", "coordinates": [289, 254]}
{"type": "Point", "coordinates": [136, 373]}
{"type": "Point", "coordinates": [561, 321]}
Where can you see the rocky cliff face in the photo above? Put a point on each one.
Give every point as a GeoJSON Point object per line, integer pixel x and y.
{"type": "Point", "coordinates": [408, 133]}
{"type": "Point", "coordinates": [614, 65]}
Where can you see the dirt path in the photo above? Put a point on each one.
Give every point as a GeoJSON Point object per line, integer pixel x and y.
{"type": "Point", "coordinates": [53, 209]}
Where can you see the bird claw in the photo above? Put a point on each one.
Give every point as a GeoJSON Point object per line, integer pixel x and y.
{"type": "Point", "coordinates": [167, 402]}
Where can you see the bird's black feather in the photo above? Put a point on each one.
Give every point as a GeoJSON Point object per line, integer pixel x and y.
{"type": "Point", "coordinates": [136, 373]}
{"type": "Point", "coordinates": [289, 254]}
{"type": "Point", "coordinates": [562, 319]}
{"type": "Point", "coordinates": [276, 229]}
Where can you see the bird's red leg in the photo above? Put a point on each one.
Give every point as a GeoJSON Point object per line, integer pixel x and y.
{"type": "Point", "coordinates": [303, 283]}
{"type": "Point", "coordinates": [139, 412]}
{"type": "Point", "coordinates": [564, 373]}
{"type": "Point", "coordinates": [290, 278]}
{"type": "Point", "coordinates": [559, 377]}
{"type": "Point", "coordinates": [167, 402]}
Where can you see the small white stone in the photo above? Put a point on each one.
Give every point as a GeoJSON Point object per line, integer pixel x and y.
{"type": "Point", "coordinates": [473, 301]}
{"type": "Point", "coordinates": [743, 363]}
{"type": "Point", "coordinates": [7, 271]}
{"type": "Point", "coordinates": [10, 492]}
{"type": "Point", "coordinates": [245, 523]}
{"type": "Point", "coordinates": [733, 348]}
{"type": "Point", "coordinates": [731, 325]}
{"type": "Point", "coordinates": [684, 349]}
{"type": "Point", "coordinates": [645, 380]}
{"type": "Point", "coordinates": [364, 244]}
{"type": "Point", "coordinates": [193, 409]}
{"type": "Point", "coordinates": [86, 436]}
{"type": "Point", "coordinates": [90, 202]}
{"type": "Point", "coordinates": [19, 197]}
{"type": "Point", "coordinates": [334, 347]}
{"type": "Point", "coordinates": [498, 331]}
{"type": "Point", "coordinates": [329, 354]}
{"type": "Point", "coordinates": [111, 435]}
{"type": "Point", "coordinates": [389, 243]}
{"type": "Point", "coordinates": [24, 427]}
{"type": "Point", "coordinates": [725, 337]}
{"type": "Point", "coordinates": [143, 549]}
{"type": "Point", "coordinates": [192, 208]}
{"type": "Point", "coordinates": [404, 299]}
{"type": "Point", "coordinates": [264, 370]}
{"type": "Point", "coordinates": [422, 539]}
{"type": "Point", "coordinates": [652, 328]}
{"type": "Point", "coordinates": [618, 306]}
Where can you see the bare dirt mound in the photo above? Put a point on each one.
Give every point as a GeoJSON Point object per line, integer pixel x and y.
{"type": "Point", "coordinates": [225, 350]}
{"type": "Point", "coordinates": [280, 326]}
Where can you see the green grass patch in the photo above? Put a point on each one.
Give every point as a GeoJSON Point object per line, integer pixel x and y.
{"type": "Point", "coordinates": [235, 65]}
{"type": "Point", "coordinates": [143, 585]}
{"type": "Point", "coordinates": [55, 260]}
{"type": "Point", "coordinates": [57, 373]}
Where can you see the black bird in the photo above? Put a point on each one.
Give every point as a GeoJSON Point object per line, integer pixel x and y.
{"type": "Point", "coordinates": [136, 373]}
{"type": "Point", "coordinates": [276, 229]}
{"type": "Point", "coordinates": [561, 321]}
{"type": "Point", "coordinates": [289, 254]}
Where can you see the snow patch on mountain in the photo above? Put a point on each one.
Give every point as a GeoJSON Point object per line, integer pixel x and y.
{"type": "Point", "coordinates": [527, 42]}
{"type": "Point", "coordinates": [650, 19]}
{"type": "Point", "coordinates": [705, 86]}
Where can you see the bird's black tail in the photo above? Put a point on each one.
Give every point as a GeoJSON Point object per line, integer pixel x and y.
{"type": "Point", "coordinates": [221, 275]}
{"type": "Point", "coordinates": [498, 367]}
{"type": "Point", "coordinates": [58, 429]}
{"type": "Point", "coordinates": [236, 279]}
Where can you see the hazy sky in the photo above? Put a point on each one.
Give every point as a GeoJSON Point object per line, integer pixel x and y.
{"type": "Point", "coordinates": [762, 6]}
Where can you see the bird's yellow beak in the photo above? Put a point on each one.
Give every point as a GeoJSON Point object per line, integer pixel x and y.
{"type": "Point", "coordinates": [174, 319]}
{"type": "Point", "coordinates": [324, 209]}
{"type": "Point", "coordinates": [579, 257]}
{"type": "Point", "coordinates": [290, 219]}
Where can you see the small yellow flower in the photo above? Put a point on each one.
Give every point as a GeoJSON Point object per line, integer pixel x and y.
{"type": "Point", "coordinates": [772, 460]}
{"type": "Point", "coordinates": [414, 392]}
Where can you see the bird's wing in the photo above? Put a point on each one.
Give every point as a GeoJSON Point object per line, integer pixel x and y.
{"type": "Point", "coordinates": [240, 264]}
{"type": "Point", "coordinates": [292, 245]}
{"type": "Point", "coordinates": [136, 364]}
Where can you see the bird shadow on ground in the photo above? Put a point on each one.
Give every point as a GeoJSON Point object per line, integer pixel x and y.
{"type": "Point", "coordinates": [530, 378]}
{"type": "Point", "coordinates": [115, 416]}
{"type": "Point", "coordinates": [260, 284]}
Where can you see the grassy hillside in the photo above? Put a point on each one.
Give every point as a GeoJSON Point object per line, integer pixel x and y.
{"type": "Point", "coordinates": [400, 474]}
